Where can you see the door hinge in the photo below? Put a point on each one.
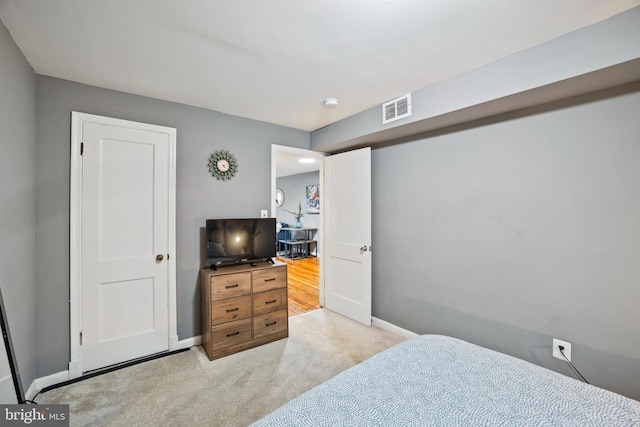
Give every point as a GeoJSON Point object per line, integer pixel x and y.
{"type": "Point", "coordinates": [80, 338]}
{"type": "Point", "coordinates": [81, 148]}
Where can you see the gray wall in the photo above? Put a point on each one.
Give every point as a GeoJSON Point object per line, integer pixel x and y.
{"type": "Point", "coordinates": [512, 232]}
{"type": "Point", "coordinates": [199, 195]}
{"type": "Point", "coordinates": [17, 199]}
{"type": "Point", "coordinates": [294, 187]}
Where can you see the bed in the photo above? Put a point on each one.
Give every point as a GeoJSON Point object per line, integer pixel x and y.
{"type": "Point", "coordinates": [433, 380]}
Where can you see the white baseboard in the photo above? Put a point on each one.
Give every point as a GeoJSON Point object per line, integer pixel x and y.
{"type": "Point", "coordinates": [379, 323]}
{"type": "Point", "coordinates": [188, 343]}
{"type": "Point", "coordinates": [43, 382]}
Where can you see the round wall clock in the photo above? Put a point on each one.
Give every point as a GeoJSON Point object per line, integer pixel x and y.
{"type": "Point", "coordinates": [279, 197]}
{"type": "Point", "coordinates": [223, 165]}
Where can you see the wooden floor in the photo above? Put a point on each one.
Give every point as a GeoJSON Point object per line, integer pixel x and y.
{"type": "Point", "coordinates": [303, 284]}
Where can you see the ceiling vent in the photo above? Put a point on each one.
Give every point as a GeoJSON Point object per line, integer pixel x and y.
{"type": "Point", "coordinates": [396, 109]}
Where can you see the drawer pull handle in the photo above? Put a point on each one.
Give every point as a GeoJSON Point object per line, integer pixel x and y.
{"type": "Point", "coordinates": [233, 309]}
{"type": "Point", "coordinates": [271, 302]}
{"type": "Point", "coordinates": [270, 324]}
{"type": "Point", "coordinates": [233, 334]}
{"type": "Point", "coordinates": [270, 280]}
{"type": "Point", "coordinates": [232, 286]}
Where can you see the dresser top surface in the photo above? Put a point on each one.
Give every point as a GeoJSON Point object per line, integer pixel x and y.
{"type": "Point", "coordinates": [241, 268]}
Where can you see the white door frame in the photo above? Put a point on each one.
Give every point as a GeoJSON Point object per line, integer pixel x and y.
{"type": "Point", "coordinates": [75, 250]}
{"type": "Point", "coordinates": [301, 152]}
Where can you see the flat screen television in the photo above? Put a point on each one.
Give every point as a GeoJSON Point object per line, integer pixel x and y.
{"type": "Point", "coordinates": [239, 241]}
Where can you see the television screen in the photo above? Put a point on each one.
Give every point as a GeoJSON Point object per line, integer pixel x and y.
{"type": "Point", "coordinates": [236, 241]}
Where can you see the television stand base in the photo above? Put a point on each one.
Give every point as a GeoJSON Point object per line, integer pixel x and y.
{"type": "Point", "coordinates": [270, 261]}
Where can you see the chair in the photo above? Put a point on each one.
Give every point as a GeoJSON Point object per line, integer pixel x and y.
{"type": "Point", "coordinates": [283, 236]}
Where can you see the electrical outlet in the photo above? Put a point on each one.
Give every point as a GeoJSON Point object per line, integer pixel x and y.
{"type": "Point", "coordinates": [556, 349]}
{"type": "Point", "coordinates": [263, 213]}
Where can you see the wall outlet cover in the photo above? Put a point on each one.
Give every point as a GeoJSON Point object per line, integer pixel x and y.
{"type": "Point", "coordinates": [556, 349]}
{"type": "Point", "coordinates": [263, 213]}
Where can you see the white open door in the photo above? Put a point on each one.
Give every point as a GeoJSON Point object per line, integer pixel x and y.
{"type": "Point", "coordinates": [347, 252]}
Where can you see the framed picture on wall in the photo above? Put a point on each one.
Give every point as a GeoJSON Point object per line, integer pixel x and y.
{"type": "Point", "coordinates": [313, 199]}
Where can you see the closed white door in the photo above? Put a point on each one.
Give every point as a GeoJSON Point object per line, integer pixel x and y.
{"type": "Point", "coordinates": [347, 254]}
{"type": "Point", "coordinates": [124, 277]}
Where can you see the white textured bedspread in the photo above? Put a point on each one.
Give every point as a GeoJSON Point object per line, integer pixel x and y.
{"type": "Point", "coordinates": [433, 380]}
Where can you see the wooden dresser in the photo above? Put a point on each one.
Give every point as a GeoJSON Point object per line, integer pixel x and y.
{"type": "Point", "coordinates": [243, 307]}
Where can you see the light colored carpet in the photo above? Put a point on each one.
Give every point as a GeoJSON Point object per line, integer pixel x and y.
{"type": "Point", "coordinates": [186, 389]}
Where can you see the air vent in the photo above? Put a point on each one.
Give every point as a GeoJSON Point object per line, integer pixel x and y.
{"type": "Point", "coordinates": [396, 109]}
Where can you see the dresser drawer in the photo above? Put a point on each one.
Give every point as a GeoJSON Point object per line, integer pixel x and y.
{"type": "Point", "coordinates": [227, 310]}
{"type": "Point", "coordinates": [271, 278]}
{"type": "Point", "coordinates": [230, 285]}
{"type": "Point", "coordinates": [266, 302]}
{"type": "Point", "coordinates": [270, 323]}
{"type": "Point", "coordinates": [230, 333]}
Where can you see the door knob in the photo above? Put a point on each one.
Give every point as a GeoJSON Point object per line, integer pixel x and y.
{"type": "Point", "coordinates": [363, 249]}
{"type": "Point", "coordinates": [159, 258]}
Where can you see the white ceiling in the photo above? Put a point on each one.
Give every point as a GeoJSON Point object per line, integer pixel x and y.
{"type": "Point", "coordinates": [277, 60]}
{"type": "Point", "coordinates": [289, 164]}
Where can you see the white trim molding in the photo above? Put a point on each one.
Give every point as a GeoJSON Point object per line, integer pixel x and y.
{"type": "Point", "coordinates": [189, 342]}
{"type": "Point", "coordinates": [43, 382]}
{"type": "Point", "coordinates": [390, 327]}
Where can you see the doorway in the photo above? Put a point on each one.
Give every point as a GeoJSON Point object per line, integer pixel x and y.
{"type": "Point", "coordinates": [303, 283]}
{"type": "Point", "coordinates": [296, 174]}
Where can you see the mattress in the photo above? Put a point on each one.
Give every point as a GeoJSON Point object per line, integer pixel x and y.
{"type": "Point", "coordinates": [434, 380]}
